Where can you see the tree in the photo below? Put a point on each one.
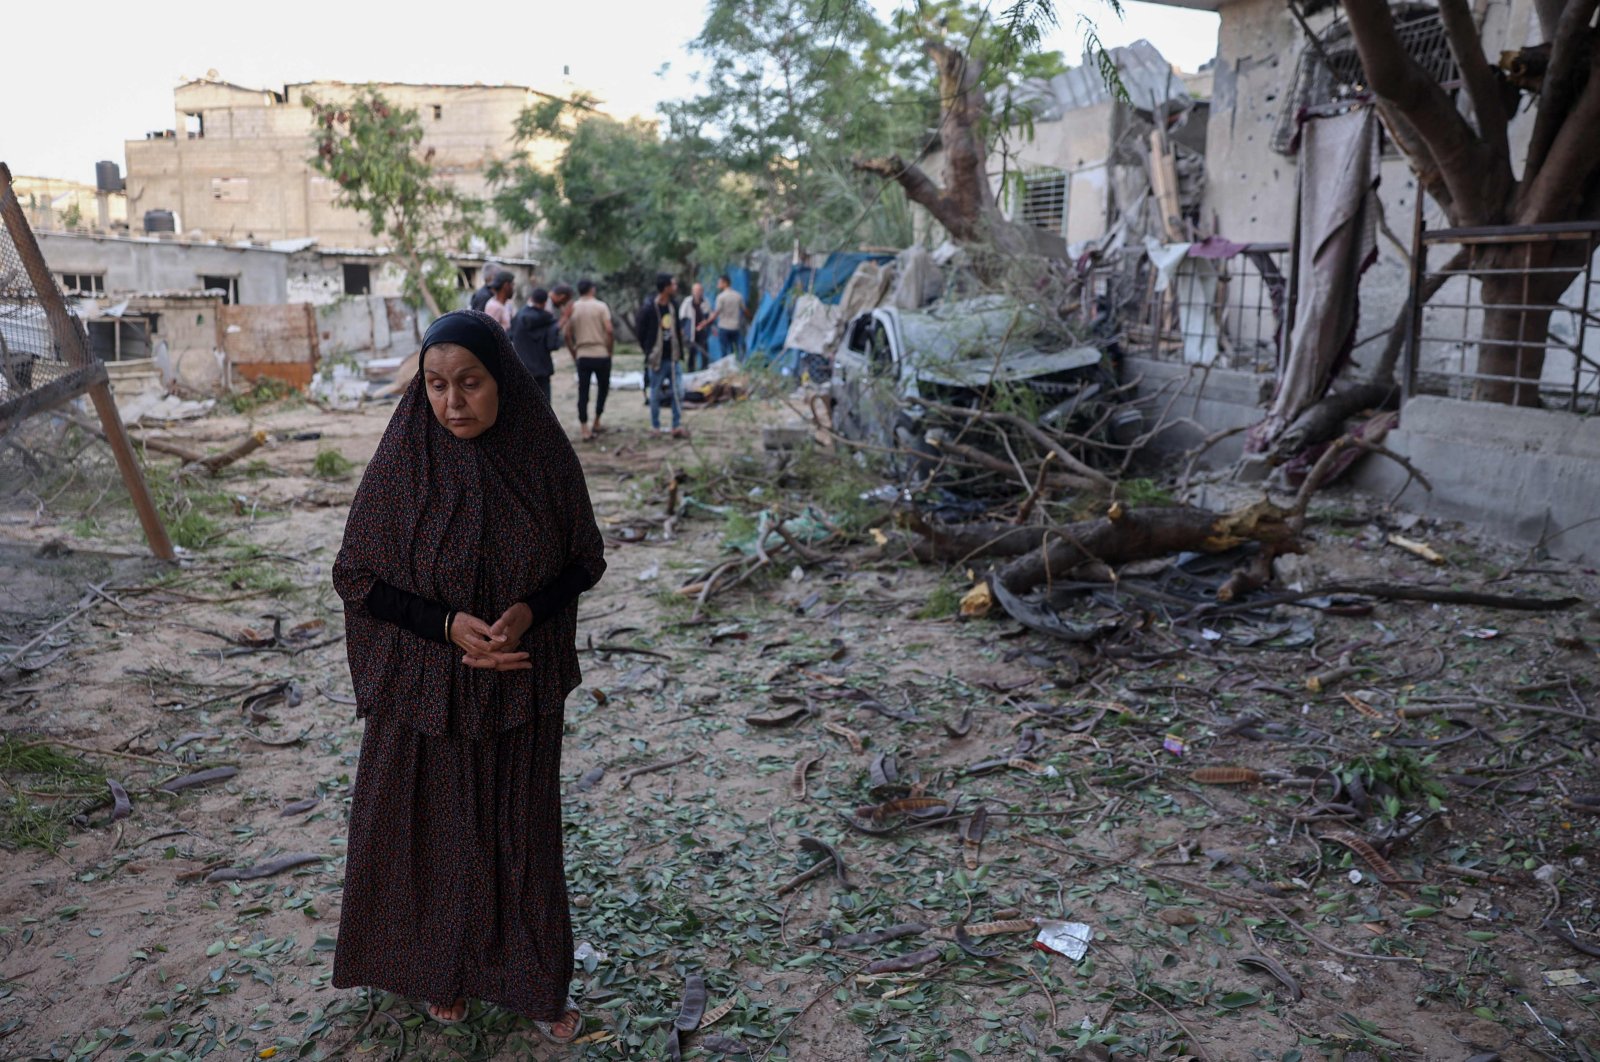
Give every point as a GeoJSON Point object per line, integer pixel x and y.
{"type": "Point", "coordinates": [1467, 166]}
{"type": "Point", "coordinates": [971, 57]}
{"type": "Point", "coordinates": [793, 89]}
{"type": "Point", "coordinates": [621, 201]}
{"type": "Point", "coordinates": [369, 147]}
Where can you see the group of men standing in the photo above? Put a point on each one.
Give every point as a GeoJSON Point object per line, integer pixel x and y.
{"type": "Point", "coordinates": [670, 333]}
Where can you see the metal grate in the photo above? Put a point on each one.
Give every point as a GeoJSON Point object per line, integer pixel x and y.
{"type": "Point", "coordinates": [1044, 201]}
{"type": "Point", "coordinates": [1548, 333]}
{"type": "Point", "coordinates": [1228, 312]}
{"type": "Point", "coordinates": [1341, 77]}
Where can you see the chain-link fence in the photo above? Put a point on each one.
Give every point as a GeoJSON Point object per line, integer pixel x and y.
{"type": "Point", "coordinates": [38, 370]}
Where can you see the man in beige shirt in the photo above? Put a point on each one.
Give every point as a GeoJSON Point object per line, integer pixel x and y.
{"type": "Point", "coordinates": [499, 306]}
{"type": "Point", "coordinates": [590, 339]}
{"type": "Point", "coordinates": [731, 316]}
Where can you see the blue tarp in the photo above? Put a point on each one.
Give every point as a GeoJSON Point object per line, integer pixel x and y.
{"type": "Point", "coordinates": [827, 283]}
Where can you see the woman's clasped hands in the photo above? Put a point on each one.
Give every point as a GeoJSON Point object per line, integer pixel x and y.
{"type": "Point", "coordinates": [492, 647]}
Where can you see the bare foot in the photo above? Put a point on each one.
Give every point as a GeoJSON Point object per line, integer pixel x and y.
{"type": "Point", "coordinates": [566, 1027]}
{"type": "Point", "coordinates": [448, 1013]}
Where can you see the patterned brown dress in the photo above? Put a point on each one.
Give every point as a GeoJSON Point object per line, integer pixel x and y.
{"type": "Point", "coordinates": [454, 885]}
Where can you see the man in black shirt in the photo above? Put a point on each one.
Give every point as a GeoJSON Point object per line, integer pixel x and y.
{"type": "Point", "coordinates": [481, 297]}
{"type": "Point", "coordinates": [661, 342]}
{"type": "Point", "coordinates": [535, 335]}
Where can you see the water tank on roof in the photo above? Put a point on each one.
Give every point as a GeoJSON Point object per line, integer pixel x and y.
{"type": "Point", "coordinates": [108, 177]}
{"type": "Point", "coordinates": [160, 221]}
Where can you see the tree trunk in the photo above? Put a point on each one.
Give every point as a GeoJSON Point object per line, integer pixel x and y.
{"type": "Point", "coordinates": [964, 204]}
{"type": "Point", "coordinates": [1516, 318]}
{"type": "Point", "coordinates": [1512, 346]}
{"type": "Point", "coordinates": [1122, 536]}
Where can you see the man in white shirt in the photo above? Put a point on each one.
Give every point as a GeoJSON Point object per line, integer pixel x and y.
{"type": "Point", "coordinates": [694, 316]}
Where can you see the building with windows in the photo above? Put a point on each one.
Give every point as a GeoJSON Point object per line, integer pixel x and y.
{"type": "Point", "coordinates": [235, 163]}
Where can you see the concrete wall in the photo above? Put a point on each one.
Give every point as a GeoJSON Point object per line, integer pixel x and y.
{"type": "Point", "coordinates": [1215, 399]}
{"type": "Point", "coordinates": [1524, 474]}
{"type": "Point", "coordinates": [247, 175]}
{"type": "Point", "coordinates": [142, 264]}
{"type": "Point", "coordinates": [370, 326]}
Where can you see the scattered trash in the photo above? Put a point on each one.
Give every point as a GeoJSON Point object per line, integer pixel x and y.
{"type": "Point", "coordinates": [976, 603]}
{"type": "Point", "coordinates": [344, 387]}
{"type": "Point", "coordinates": [1174, 744]}
{"type": "Point", "coordinates": [652, 572]}
{"type": "Point", "coordinates": [1064, 938]}
{"type": "Point", "coordinates": [1564, 979]}
{"type": "Point", "coordinates": [1481, 633]}
{"type": "Point", "coordinates": [1419, 549]}
{"type": "Point", "coordinates": [586, 951]}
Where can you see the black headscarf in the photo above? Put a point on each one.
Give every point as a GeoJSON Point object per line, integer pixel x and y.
{"type": "Point", "coordinates": [476, 525]}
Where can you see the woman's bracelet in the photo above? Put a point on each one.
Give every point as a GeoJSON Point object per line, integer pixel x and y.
{"type": "Point", "coordinates": [448, 616]}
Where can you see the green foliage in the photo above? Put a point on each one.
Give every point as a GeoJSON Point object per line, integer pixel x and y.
{"type": "Point", "coordinates": [263, 392]}
{"type": "Point", "coordinates": [372, 150]}
{"type": "Point", "coordinates": [763, 154]}
{"type": "Point", "coordinates": [943, 602]}
{"type": "Point", "coordinates": [331, 464]}
{"type": "Point", "coordinates": [622, 202]}
{"type": "Point", "coordinates": [41, 789]}
{"type": "Point", "coordinates": [1143, 492]}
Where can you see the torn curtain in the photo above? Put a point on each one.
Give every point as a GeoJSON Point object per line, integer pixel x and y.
{"type": "Point", "coordinates": [1334, 245]}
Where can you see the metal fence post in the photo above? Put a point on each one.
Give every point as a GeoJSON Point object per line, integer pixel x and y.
{"type": "Point", "coordinates": [1419, 257]}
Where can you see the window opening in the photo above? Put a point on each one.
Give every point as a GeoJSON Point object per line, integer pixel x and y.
{"type": "Point", "coordinates": [229, 286]}
{"type": "Point", "coordinates": [83, 283]}
{"type": "Point", "coordinates": [357, 278]}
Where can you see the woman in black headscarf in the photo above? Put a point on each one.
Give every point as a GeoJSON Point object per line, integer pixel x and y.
{"type": "Point", "coordinates": [467, 546]}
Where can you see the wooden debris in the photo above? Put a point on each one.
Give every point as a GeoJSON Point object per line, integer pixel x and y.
{"type": "Point", "coordinates": [199, 778]}
{"type": "Point", "coordinates": [1225, 776]}
{"type": "Point", "coordinates": [1417, 549]}
{"type": "Point", "coordinates": [797, 779]}
{"type": "Point", "coordinates": [1386, 873]}
{"type": "Point", "coordinates": [839, 729]}
{"type": "Point", "coordinates": [267, 869]}
{"type": "Point", "coordinates": [629, 775]}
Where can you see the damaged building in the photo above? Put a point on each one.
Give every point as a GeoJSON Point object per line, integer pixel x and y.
{"type": "Point", "coordinates": [209, 316]}
{"type": "Point", "coordinates": [235, 163]}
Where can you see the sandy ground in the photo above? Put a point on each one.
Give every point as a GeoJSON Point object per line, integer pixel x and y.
{"type": "Point", "coordinates": [113, 947]}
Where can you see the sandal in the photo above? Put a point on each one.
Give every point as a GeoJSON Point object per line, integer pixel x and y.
{"type": "Point", "coordinates": [547, 1028]}
{"type": "Point", "coordinates": [433, 1009]}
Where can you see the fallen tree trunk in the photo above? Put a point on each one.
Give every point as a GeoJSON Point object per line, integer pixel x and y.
{"type": "Point", "coordinates": [1123, 535]}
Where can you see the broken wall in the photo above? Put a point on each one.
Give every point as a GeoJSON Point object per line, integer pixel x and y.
{"type": "Point", "coordinates": [149, 264]}
{"type": "Point", "coordinates": [367, 326]}
{"type": "Point", "coordinates": [279, 342]}
{"type": "Point", "coordinates": [1250, 187]}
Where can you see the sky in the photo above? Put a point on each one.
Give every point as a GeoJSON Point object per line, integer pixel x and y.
{"type": "Point", "coordinates": [65, 106]}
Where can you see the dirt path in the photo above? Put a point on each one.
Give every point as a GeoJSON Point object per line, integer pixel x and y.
{"type": "Point", "coordinates": [113, 947]}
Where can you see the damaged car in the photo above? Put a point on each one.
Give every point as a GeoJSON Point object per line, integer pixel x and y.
{"type": "Point", "coordinates": [981, 352]}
